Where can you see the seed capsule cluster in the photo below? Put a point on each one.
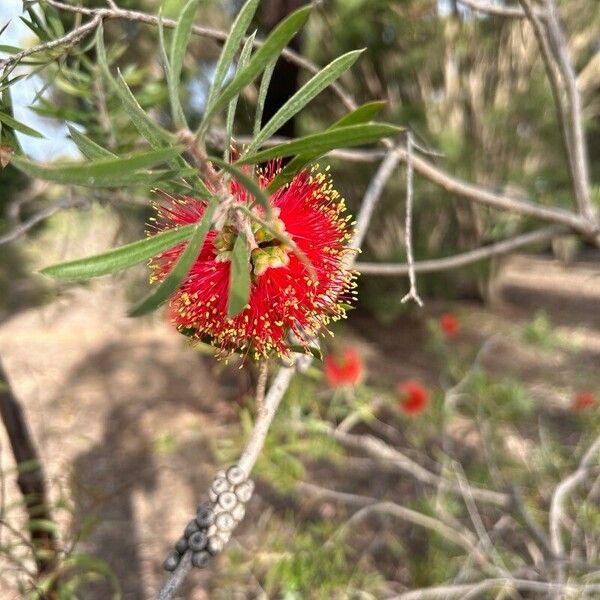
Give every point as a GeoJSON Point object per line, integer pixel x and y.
{"type": "Point", "coordinates": [215, 520]}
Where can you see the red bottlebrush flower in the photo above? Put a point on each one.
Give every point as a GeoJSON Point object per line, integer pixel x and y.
{"type": "Point", "coordinates": [287, 306]}
{"type": "Point", "coordinates": [346, 369]}
{"type": "Point", "coordinates": [450, 324]}
{"type": "Point", "coordinates": [413, 397]}
{"type": "Point", "coordinates": [583, 401]}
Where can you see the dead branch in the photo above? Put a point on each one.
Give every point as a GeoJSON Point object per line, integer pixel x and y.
{"type": "Point", "coordinates": [466, 258]}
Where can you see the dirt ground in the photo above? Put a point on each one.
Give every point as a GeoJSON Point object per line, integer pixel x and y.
{"type": "Point", "coordinates": [126, 414]}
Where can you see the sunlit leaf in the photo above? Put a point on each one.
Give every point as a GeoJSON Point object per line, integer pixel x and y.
{"type": "Point", "coordinates": [148, 128]}
{"type": "Point", "coordinates": [120, 258]}
{"type": "Point", "coordinates": [244, 57]}
{"type": "Point", "coordinates": [270, 49]}
{"type": "Point", "coordinates": [88, 147]}
{"type": "Point", "coordinates": [304, 95]}
{"type": "Point", "coordinates": [18, 126]}
{"type": "Point", "coordinates": [236, 34]}
{"type": "Point", "coordinates": [362, 114]}
{"type": "Point", "coordinates": [322, 142]}
{"type": "Point", "coordinates": [179, 45]}
{"type": "Point", "coordinates": [106, 172]}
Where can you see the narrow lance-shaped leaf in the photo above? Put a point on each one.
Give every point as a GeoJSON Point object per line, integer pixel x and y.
{"type": "Point", "coordinates": [271, 48]}
{"type": "Point", "coordinates": [262, 95]}
{"type": "Point", "coordinates": [106, 172]}
{"type": "Point", "coordinates": [244, 58]}
{"type": "Point", "coordinates": [248, 182]}
{"type": "Point", "coordinates": [182, 267]}
{"type": "Point", "coordinates": [120, 258]}
{"type": "Point", "coordinates": [150, 130]}
{"type": "Point", "coordinates": [179, 45]}
{"type": "Point", "coordinates": [304, 95]}
{"type": "Point", "coordinates": [88, 147]}
{"type": "Point", "coordinates": [320, 143]}
{"type": "Point", "coordinates": [162, 46]}
{"type": "Point", "coordinates": [239, 277]}
{"type": "Point", "coordinates": [18, 126]}
{"type": "Point", "coordinates": [232, 43]}
{"type": "Point", "coordinates": [362, 114]}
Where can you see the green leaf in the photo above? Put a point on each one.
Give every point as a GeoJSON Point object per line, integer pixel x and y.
{"type": "Point", "coordinates": [110, 172]}
{"type": "Point", "coordinates": [239, 277]}
{"type": "Point", "coordinates": [88, 147]}
{"type": "Point", "coordinates": [120, 258]}
{"type": "Point", "coordinates": [236, 33]}
{"type": "Point", "coordinates": [362, 114]}
{"type": "Point", "coordinates": [244, 57]}
{"type": "Point", "coordinates": [151, 131]}
{"type": "Point", "coordinates": [248, 182]}
{"type": "Point", "coordinates": [18, 126]}
{"type": "Point", "coordinates": [304, 95]}
{"type": "Point", "coordinates": [162, 46]}
{"type": "Point", "coordinates": [179, 44]}
{"type": "Point", "coordinates": [270, 49]}
{"type": "Point", "coordinates": [9, 49]}
{"type": "Point", "coordinates": [262, 95]}
{"type": "Point", "coordinates": [182, 267]}
{"type": "Point", "coordinates": [323, 142]}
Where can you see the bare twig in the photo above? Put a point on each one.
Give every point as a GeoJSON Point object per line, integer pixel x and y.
{"type": "Point", "coordinates": [466, 258]}
{"type": "Point", "coordinates": [67, 40]}
{"type": "Point", "coordinates": [579, 158]}
{"type": "Point", "coordinates": [561, 493]}
{"type": "Point", "coordinates": [412, 292]}
{"type": "Point", "coordinates": [370, 505]}
{"type": "Point", "coordinates": [261, 385]}
{"type": "Point", "coordinates": [497, 10]}
{"type": "Point", "coordinates": [379, 449]}
{"type": "Point", "coordinates": [474, 590]}
{"type": "Point", "coordinates": [372, 195]}
{"type": "Point", "coordinates": [38, 217]}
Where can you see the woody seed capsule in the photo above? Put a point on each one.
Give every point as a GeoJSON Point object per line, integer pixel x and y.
{"type": "Point", "coordinates": [238, 512]}
{"type": "Point", "coordinates": [171, 561]}
{"type": "Point", "coordinates": [225, 522]}
{"type": "Point", "coordinates": [214, 545]}
{"type": "Point", "coordinates": [235, 475]}
{"type": "Point", "coordinates": [205, 516]}
{"type": "Point", "coordinates": [200, 559]}
{"type": "Point", "coordinates": [197, 541]}
{"type": "Point", "coordinates": [220, 485]}
{"type": "Point", "coordinates": [182, 545]}
{"type": "Point", "coordinates": [244, 491]}
{"type": "Point", "coordinates": [227, 500]}
{"type": "Point", "coordinates": [190, 528]}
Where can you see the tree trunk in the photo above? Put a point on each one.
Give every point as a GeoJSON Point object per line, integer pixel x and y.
{"type": "Point", "coordinates": [31, 479]}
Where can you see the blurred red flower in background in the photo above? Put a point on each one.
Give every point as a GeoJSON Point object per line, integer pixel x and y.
{"type": "Point", "coordinates": [583, 400]}
{"type": "Point", "coordinates": [345, 368]}
{"type": "Point", "coordinates": [450, 324]}
{"type": "Point", "coordinates": [413, 397]}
